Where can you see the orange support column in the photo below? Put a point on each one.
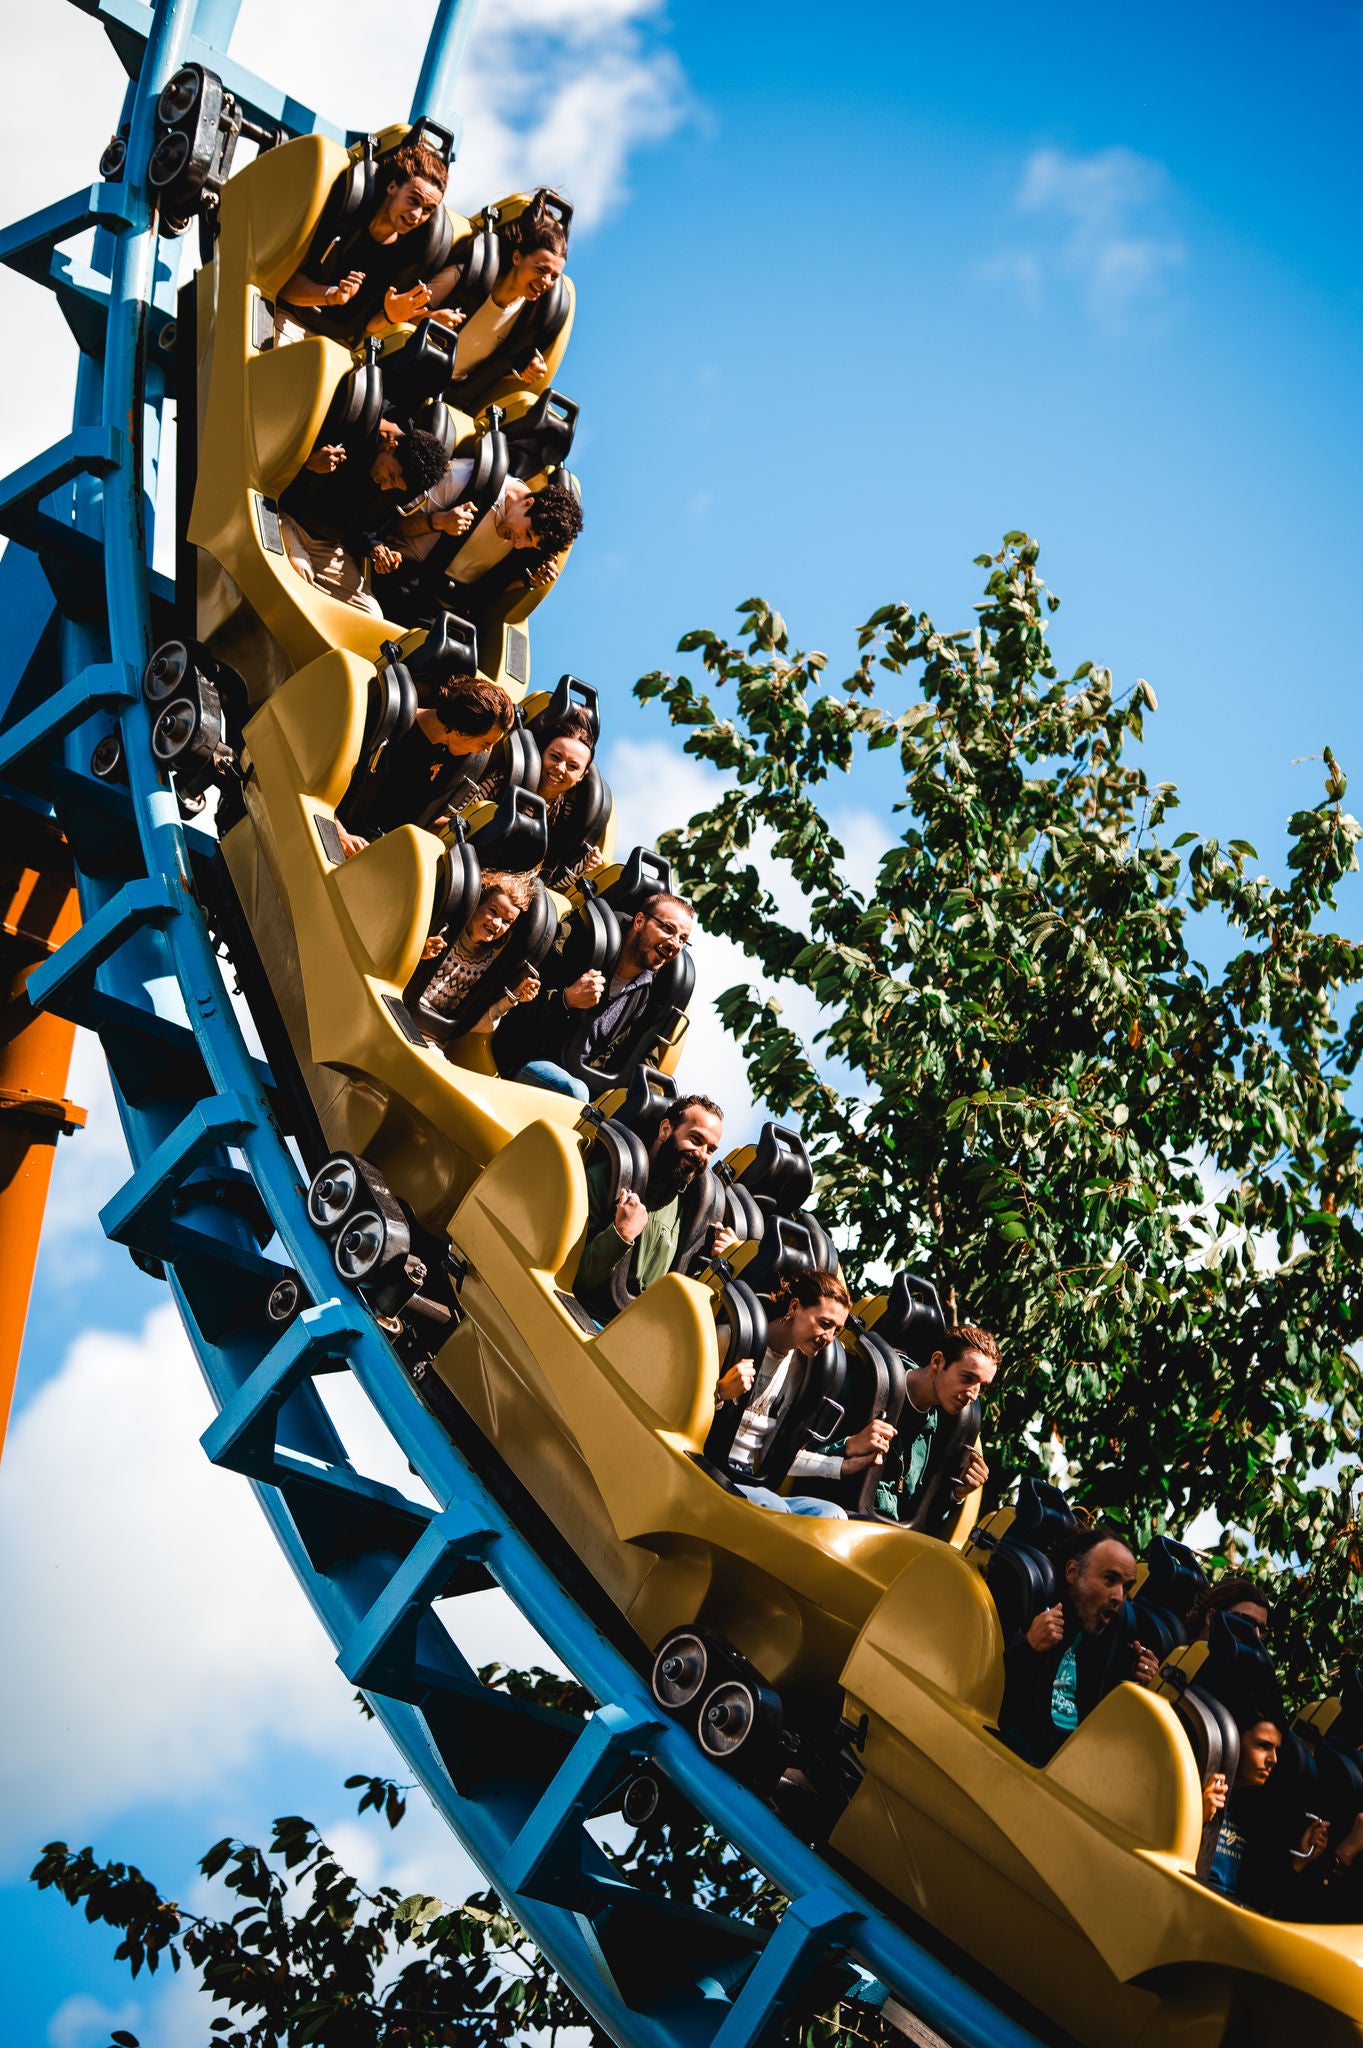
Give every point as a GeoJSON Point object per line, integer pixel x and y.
{"type": "Point", "coordinates": [38, 910]}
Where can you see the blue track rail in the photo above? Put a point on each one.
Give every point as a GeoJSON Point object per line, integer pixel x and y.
{"type": "Point", "coordinates": [217, 1198]}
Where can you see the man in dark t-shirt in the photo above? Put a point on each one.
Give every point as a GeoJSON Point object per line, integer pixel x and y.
{"type": "Point", "coordinates": [417, 778]}
{"type": "Point", "coordinates": [367, 276]}
{"type": "Point", "coordinates": [342, 503]}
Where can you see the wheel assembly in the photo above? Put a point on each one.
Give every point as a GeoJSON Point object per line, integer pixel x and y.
{"type": "Point", "coordinates": [680, 1670]}
{"type": "Point", "coordinates": [334, 1192]}
{"type": "Point", "coordinates": [643, 1797]}
{"type": "Point", "coordinates": [699, 1678]}
{"type": "Point", "coordinates": [368, 1230]}
{"type": "Point", "coordinates": [192, 699]}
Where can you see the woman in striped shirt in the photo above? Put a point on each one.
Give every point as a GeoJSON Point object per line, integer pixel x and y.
{"type": "Point", "coordinates": [807, 1313]}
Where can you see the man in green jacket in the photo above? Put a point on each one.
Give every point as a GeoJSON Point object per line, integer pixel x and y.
{"type": "Point", "coordinates": [930, 1462]}
{"type": "Point", "coordinates": [633, 1242]}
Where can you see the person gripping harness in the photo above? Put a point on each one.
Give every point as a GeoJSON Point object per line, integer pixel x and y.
{"type": "Point", "coordinates": [807, 1313]}
{"type": "Point", "coordinates": [342, 506]}
{"type": "Point", "coordinates": [632, 1242]}
{"type": "Point", "coordinates": [1071, 1655]}
{"type": "Point", "coordinates": [540, 524]}
{"type": "Point", "coordinates": [498, 335]}
{"type": "Point", "coordinates": [927, 1463]}
{"type": "Point", "coordinates": [463, 960]}
{"type": "Point", "coordinates": [530, 1040]}
{"type": "Point", "coordinates": [1242, 1852]}
{"type": "Point", "coordinates": [425, 772]}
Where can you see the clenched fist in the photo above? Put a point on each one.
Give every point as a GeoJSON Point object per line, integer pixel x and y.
{"type": "Point", "coordinates": [867, 1447]}
{"type": "Point", "coordinates": [586, 992]}
{"type": "Point", "coordinates": [1049, 1626]}
{"type": "Point", "coordinates": [973, 1474]}
{"type": "Point", "coordinates": [630, 1217]}
{"type": "Point", "coordinates": [736, 1382]}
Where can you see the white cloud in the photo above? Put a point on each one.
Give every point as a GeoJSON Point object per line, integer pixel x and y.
{"type": "Point", "coordinates": [156, 1641]}
{"type": "Point", "coordinates": [553, 91]}
{"type": "Point", "coordinates": [1095, 229]}
{"type": "Point", "coordinates": [84, 2022]}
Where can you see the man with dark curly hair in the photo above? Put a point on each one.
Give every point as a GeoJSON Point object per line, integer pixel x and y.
{"type": "Point", "coordinates": [424, 773]}
{"type": "Point", "coordinates": [343, 504]}
{"type": "Point", "coordinates": [544, 523]}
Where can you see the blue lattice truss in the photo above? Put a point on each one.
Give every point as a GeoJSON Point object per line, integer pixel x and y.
{"type": "Point", "coordinates": [516, 1783]}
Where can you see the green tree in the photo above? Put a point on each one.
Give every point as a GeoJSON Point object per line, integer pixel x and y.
{"type": "Point", "coordinates": [1144, 1174]}
{"type": "Point", "coordinates": [308, 1955]}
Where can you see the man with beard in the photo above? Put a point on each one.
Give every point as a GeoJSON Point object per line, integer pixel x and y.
{"type": "Point", "coordinates": [1073, 1654]}
{"type": "Point", "coordinates": [530, 1045]}
{"type": "Point", "coordinates": [632, 1242]}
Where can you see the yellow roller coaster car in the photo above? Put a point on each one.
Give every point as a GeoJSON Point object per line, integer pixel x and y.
{"type": "Point", "coordinates": [260, 411]}
{"type": "Point", "coordinates": [1074, 1883]}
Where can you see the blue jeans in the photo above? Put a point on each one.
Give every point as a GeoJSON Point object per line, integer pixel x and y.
{"type": "Point", "coordinates": [794, 1504]}
{"type": "Point", "coordinates": [544, 1074]}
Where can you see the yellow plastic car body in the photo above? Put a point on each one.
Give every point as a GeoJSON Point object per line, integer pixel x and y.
{"type": "Point", "coordinates": [1072, 1883]}
{"type": "Point", "coordinates": [260, 410]}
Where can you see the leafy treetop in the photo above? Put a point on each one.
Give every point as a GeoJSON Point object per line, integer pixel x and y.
{"type": "Point", "coordinates": [1143, 1174]}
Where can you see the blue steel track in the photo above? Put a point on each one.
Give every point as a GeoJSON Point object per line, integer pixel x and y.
{"type": "Point", "coordinates": [214, 1180]}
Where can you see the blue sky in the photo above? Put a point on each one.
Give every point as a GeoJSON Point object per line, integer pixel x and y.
{"type": "Point", "coordinates": [857, 294]}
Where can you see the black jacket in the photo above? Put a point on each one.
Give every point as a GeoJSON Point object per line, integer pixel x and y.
{"type": "Point", "coordinates": [386, 265]}
{"type": "Point", "coordinates": [544, 1029]}
{"type": "Point", "coordinates": [1102, 1662]}
{"type": "Point", "coordinates": [417, 782]}
{"type": "Point", "coordinates": [345, 505]}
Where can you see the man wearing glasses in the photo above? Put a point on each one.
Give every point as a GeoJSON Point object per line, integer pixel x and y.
{"type": "Point", "coordinates": [542, 1029]}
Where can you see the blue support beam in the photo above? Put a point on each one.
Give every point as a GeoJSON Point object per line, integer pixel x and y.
{"type": "Point", "coordinates": [128, 25]}
{"type": "Point", "coordinates": [545, 1860]}
{"type": "Point", "coordinates": [381, 1655]}
{"type": "Point", "coordinates": [86, 451]}
{"type": "Point", "coordinates": [442, 62]}
{"type": "Point", "coordinates": [810, 1929]}
{"type": "Point", "coordinates": [29, 611]}
{"type": "Point", "coordinates": [517, 1783]}
{"type": "Point", "coordinates": [243, 1438]}
{"type": "Point", "coordinates": [136, 905]}
{"type": "Point", "coordinates": [104, 686]}
{"type": "Point", "coordinates": [27, 245]}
